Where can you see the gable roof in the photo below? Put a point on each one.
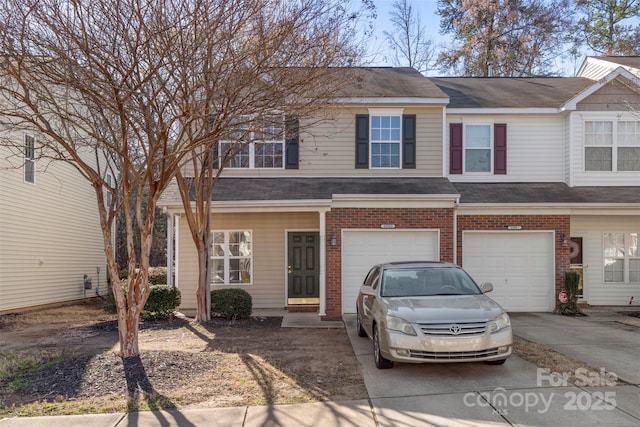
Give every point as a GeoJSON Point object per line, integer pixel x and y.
{"type": "Point", "coordinates": [627, 61]}
{"type": "Point", "coordinates": [390, 83]}
{"type": "Point", "coordinates": [619, 72]}
{"type": "Point", "coordinates": [597, 67]}
{"type": "Point", "coordinates": [507, 92]}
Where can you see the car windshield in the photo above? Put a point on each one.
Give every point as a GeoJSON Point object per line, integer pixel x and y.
{"type": "Point", "coordinates": [431, 281]}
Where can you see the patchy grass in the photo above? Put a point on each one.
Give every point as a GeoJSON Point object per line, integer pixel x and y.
{"type": "Point", "coordinates": [64, 361]}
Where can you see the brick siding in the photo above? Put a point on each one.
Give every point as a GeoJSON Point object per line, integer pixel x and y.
{"type": "Point", "coordinates": [339, 219]}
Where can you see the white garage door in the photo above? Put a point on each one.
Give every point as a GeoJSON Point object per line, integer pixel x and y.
{"type": "Point", "coordinates": [519, 264]}
{"type": "Point", "coordinates": [362, 249]}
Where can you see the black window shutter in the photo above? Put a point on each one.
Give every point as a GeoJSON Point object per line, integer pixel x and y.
{"type": "Point", "coordinates": [292, 143]}
{"type": "Point", "coordinates": [214, 155]}
{"type": "Point", "coordinates": [500, 149]}
{"type": "Point", "coordinates": [455, 148]}
{"type": "Point", "coordinates": [362, 141]}
{"type": "Point", "coordinates": [409, 141]}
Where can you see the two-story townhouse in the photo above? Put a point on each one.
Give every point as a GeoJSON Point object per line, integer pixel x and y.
{"type": "Point", "coordinates": [51, 242]}
{"type": "Point", "coordinates": [364, 185]}
{"type": "Point", "coordinates": [548, 170]}
{"type": "Point", "coordinates": [494, 174]}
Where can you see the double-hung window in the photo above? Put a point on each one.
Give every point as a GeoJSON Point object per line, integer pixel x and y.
{"type": "Point", "coordinates": [621, 257]}
{"type": "Point", "coordinates": [255, 143]}
{"type": "Point", "coordinates": [232, 257]}
{"type": "Point", "coordinates": [386, 139]}
{"type": "Point", "coordinates": [611, 145]}
{"type": "Point", "coordinates": [477, 148]}
{"type": "Point", "coordinates": [29, 158]}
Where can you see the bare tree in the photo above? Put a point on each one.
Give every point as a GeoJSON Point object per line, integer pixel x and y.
{"type": "Point", "coordinates": [141, 87]}
{"type": "Point", "coordinates": [289, 71]}
{"type": "Point", "coordinates": [408, 40]}
{"type": "Point", "coordinates": [518, 37]}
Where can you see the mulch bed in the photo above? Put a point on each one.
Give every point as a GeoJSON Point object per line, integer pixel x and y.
{"type": "Point", "coordinates": [104, 374]}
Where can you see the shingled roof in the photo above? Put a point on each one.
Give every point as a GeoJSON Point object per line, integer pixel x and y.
{"type": "Point", "coordinates": [627, 61]}
{"type": "Point", "coordinates": [292, 189]}
{"type": "Point", "coordinates": [387, 82]}
{"type": "Point", "coordinates": [505, 92]}
{"type": "Point", "coordinates": [544, 192]}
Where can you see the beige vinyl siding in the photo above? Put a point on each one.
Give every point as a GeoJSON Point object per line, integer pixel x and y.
{"type": "Point", "coordinates": [615, 96]}
{"type": "Point", "coordinates": [268, 289]}
{"type": "Point", "coordinates": [596, 178]}
{"type": "Point", "coordinates": [50, 234]}
{"type": "Point", "coordinates": [327, 146]}
{"type": "Point", "coordinates": [591, 229]}
{"type": "Point", "coordinates": [535, 148]}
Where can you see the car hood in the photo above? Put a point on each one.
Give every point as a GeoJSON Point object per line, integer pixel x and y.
{"type": "Point", "coordinates": [434, 309]}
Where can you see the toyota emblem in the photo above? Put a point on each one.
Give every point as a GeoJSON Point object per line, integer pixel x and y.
{"type": "Point", "coordinates": [455, 329]}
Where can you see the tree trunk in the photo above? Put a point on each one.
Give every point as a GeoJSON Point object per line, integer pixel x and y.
{"type": "Point", "coordinates": [203, 293]}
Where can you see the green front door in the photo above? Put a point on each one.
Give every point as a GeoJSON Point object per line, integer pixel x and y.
{"type": "Point", "coordinates": [303, 268]}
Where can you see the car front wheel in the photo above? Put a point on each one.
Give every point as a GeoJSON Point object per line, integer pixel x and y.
{"type": "Point", "coordinates": [381, 362]}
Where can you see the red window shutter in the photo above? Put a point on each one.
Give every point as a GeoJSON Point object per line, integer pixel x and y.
{"type": "Point", "coordinates": [500, 149]}
{"type": "Point", "coordinates": [455, 148]}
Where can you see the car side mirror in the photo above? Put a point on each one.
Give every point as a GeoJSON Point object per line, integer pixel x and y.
{"type": "Point", "coordinates": [486, 287]}
{"type": "Point", "coordinates": [367, 290]}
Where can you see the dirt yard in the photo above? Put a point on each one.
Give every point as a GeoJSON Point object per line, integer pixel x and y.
{"type": "Point", "coordinates": [64, 361]}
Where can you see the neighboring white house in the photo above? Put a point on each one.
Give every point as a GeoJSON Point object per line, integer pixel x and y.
{"type": "Point", "coordinates": [50, 237]}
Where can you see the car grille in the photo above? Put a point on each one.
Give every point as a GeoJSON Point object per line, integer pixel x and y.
{"type": "Point", "coordinates": [453, 329]}
{"type": "Point", "coordinates": [453, 355]}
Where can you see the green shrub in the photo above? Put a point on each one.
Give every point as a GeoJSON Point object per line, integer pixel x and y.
{"type": "Point", "coordinates": [231, 303]}
{"type": "Point", "coordinates": [157, 275]}
{"type": "Point", "coordinates": [571, 285]}
{"type": "Point", "coordinates": [163, 300]}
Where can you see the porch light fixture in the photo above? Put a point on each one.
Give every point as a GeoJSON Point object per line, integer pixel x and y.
{"type": "Point", "coordinates": [565, 241]}
{"type": "Point", "coordinates": [334, 238]}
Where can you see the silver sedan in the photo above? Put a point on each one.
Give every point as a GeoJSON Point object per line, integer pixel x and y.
{"type": "Point", "coordinates": [417, 312]}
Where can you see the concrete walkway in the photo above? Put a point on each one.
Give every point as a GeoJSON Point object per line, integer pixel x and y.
{"type": "Point", "coordinates": [469, 394]}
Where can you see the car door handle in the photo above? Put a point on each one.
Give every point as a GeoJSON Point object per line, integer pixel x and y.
{"type": "Point", "coordinates": [289, 270]}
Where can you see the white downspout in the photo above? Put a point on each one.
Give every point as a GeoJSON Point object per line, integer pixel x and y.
{"type": "Point", "coordinates": [455, 230]}
{"type": "Point", "coordinates": [170, 249]}
{"type": "Point", "coordinates": [323, 253]}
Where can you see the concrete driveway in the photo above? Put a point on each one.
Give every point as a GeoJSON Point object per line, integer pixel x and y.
{"type": "Point", "coordinates": [516, 393]}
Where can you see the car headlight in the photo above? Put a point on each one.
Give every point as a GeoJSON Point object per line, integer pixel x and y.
{"type": "Point", "coordinates": [400, 325]}
{"type": "Point", "coordinates": [499, 323]}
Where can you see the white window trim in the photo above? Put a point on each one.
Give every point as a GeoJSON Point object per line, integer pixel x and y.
{"type": "Point", "coordinates": [25, 159]}
{"type": "Point", "coordinates": [385, 112]}
{"type": "Point", "coordinates": [625, 259]}
{"type": "Point", "coordinates": [252, 151]}
{"type": "Point", "coordinates": [615, 118]}
{"type": "Point", "coordinates": [464, 148]}
{"type": "Point", "coordinates": [227, 257]}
